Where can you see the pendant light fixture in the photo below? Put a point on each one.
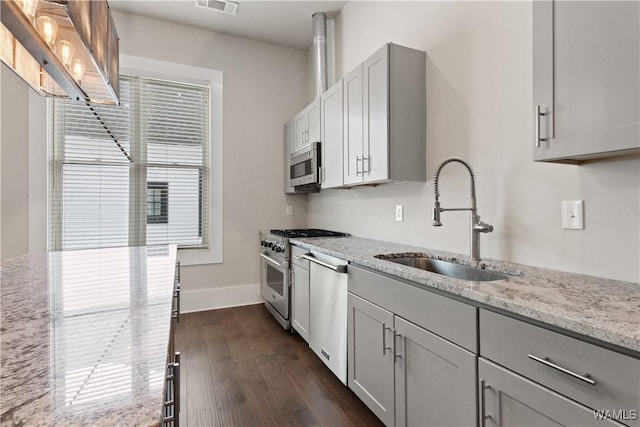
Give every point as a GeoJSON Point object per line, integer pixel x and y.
{"type": "Point", "coordinates": [65, 48]}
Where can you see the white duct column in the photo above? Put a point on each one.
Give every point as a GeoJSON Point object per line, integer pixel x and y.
{"type": "Point", "coordinates": [319, 53]}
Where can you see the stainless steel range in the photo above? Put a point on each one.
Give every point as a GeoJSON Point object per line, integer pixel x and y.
{"type": "Point", "coordinates": [275, 255]}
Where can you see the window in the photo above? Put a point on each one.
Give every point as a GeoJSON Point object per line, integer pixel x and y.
{"type": "Point", "coordinates": [157, 202]}
{"type": "Point", "coordinates": [140, 173]}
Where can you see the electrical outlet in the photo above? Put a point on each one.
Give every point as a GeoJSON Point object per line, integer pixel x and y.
{"type": "Point", "coordinates": [573, 214]}
{"type": "Point", "coordinates": [289, 210]}
{"type": "Point", "coordinates": [399, 213]}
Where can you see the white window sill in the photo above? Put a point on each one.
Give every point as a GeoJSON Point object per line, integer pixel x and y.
{"type": "Point", "coordinates": [199, 257]}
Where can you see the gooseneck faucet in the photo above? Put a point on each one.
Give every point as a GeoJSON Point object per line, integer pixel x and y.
{"type": "Point", "coordinates": [477, 226]}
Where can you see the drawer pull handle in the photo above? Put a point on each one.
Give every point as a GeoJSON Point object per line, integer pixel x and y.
{"type": "Point", "coordinates": [545, 361]}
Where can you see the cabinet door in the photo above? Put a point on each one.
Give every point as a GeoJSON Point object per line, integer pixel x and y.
{"type": "Point", "coordinates": [313, 122]}
{"type": "Point", "coordinates": [586, 79]}
{"type": "Point", "coordinates": [331, 129]}
{"type": "Point", "coordinates": [300, 301]}
{"type": "Point", "coordinates": [370, 356]}
{"type": "Point", "coordinates": [511, 400]}
{"type": "Point", "coordinates": [289, 142]}
{"type": "Point", "coordinates": [376, 116]}
{"type": "Point", "coordinates": [435, 379]}
{"type": "Point", "coordinates": [301, 126]}
{"type": "Point", "coordinates": [353, 126]}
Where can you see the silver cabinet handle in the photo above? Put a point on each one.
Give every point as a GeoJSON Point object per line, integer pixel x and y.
{"type": "Point", "coordinates": [358, 159]}
{"type": "Point", "coordinates": [172, 402]}
{"type": "Point", "coordinates": [483, 405]}
{"type": "Point", "coordinates": [176, 313]}
{"type": "Point", "coordinates": [336, 268]}
{"type": "Point", "coordinates": [268, 258]}
{"type": "Point", "coordinates": [404, 342]}
{"type": "Point", "coordinates": [368, 165]}
{"type": "Point", "coordinates": [176, 374]}
{"type": "Point", "coordinates": [385, 347]}
{"type": "Point", "coordinates": [539, 113]}
{"type": "Point", "coordinates": [178, 265]}
{"type": "Point", "coordinates": [545, 361]}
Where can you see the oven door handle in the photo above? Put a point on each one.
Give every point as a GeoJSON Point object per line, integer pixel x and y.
{"type": "Point", "coordinates": [273, 261]}
{"type": "Point", "coordinates": [336, 268]}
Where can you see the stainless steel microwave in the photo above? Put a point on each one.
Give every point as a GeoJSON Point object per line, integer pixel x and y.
{"type": "Point", "coordinates": [304, 167]}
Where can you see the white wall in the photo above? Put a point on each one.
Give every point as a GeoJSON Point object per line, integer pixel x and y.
{"type": "Point", "coordinates": [479, 83]}
{"type": "Point", "coordinates": [264, 86]}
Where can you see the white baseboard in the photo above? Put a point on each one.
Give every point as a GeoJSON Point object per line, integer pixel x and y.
{"type": "Point", "coordinates": [213, 298]}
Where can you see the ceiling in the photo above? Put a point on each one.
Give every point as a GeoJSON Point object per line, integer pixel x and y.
{"type": "Point", "coordinates": [286, 23]}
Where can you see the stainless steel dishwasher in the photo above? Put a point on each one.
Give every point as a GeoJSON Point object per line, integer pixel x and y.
{"type": "Point", "coordinates": [328, 311]}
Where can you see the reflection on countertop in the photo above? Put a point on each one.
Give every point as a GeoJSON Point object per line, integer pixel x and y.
{"type": "Point", "coordinates": [84, 336]}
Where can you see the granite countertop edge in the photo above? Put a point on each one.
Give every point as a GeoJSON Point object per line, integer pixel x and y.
{"type": "Point", "coordinates": [604, 309]}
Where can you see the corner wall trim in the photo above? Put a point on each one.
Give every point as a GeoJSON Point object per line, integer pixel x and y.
{"type": "Point", "coordinates": [213, 298]}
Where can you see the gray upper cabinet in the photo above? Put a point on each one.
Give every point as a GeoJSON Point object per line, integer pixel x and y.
{"type": "Point", "coordinates": [289, 142]}
{"type": "Point", "coordinates": [331, 133]}
{"type": "Point", "coordinates": [384, 123]}
{"type": "Point", "coordinates": [586, 80]}
{"type": "Point", "coordinates": [307, 125]}
{"type": "Point", "coordinates": [353, 130]}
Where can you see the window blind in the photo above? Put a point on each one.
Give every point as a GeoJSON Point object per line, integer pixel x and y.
{"type": "Point", "coordinates": [133, 174]}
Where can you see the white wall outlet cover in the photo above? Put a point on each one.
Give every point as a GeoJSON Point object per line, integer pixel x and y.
{"type": "Point", "coordinates": [573, 214]}
{"type": "Point", "coordinates": [289, 210]}
{"type": "Point", "coordinates": [399, 213]}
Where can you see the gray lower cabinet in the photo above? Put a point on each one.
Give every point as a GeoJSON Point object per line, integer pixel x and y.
{"type": "Point", "coordinates": [300, 292]}
{"type": "Point", "coordinates": [507, 399]}
{"type": "Point", "coordinates": [370, 356]}
{"type": "Point", "coordinates": [300, 301]}
{"type": "Point", "coordinates": [434, 379]}
{"type": "Point", "coordinates": [595, 377]}
{"type": "Point", "coordinates": [405, 374]}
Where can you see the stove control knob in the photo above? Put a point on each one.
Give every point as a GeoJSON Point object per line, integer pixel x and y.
{"type": "Point", "coordinates": [279, 248]}
{"type": "Point", "coordinates": [263, 243]}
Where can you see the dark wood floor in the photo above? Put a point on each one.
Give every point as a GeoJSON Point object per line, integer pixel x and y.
{"type": "Point", "coordinates": [240, 368]}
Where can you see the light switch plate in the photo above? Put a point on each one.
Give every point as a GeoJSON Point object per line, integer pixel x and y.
{"type": "Point", "coordinates": [399, 213]}
{"type": "Point", "coordinates": [573, 214]}
{"type": "Point", "coordinates": [289, 210]}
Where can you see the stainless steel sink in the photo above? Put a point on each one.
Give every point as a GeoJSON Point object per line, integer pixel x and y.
{"type": "Point", "coordinates": [446, 268]}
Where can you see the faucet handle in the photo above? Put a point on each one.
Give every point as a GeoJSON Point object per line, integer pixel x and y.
{"type": "Point", "coordinates": [482, 227]}
{"type": "Point", "coordinates": [436, 215]}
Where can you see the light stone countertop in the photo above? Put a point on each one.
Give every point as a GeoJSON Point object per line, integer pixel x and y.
{"type": "Point", "coordinates": [84, 336]}
{"type": "Point", "coordinates": [603, 309]}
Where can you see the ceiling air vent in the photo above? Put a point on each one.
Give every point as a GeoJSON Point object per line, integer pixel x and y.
{"type": "Point", "coordinates": [225, 6]}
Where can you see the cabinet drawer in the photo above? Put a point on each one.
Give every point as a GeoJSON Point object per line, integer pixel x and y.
{"type": "Point", "coordinates": [296, 254]}
{"type": "Point", "coordinates": [529, 350]}
{"type": "Point", "coordinates": [448, 318]}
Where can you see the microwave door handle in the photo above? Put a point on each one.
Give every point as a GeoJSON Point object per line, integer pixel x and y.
{"type": "Point", "coordinates": [273, 261]}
